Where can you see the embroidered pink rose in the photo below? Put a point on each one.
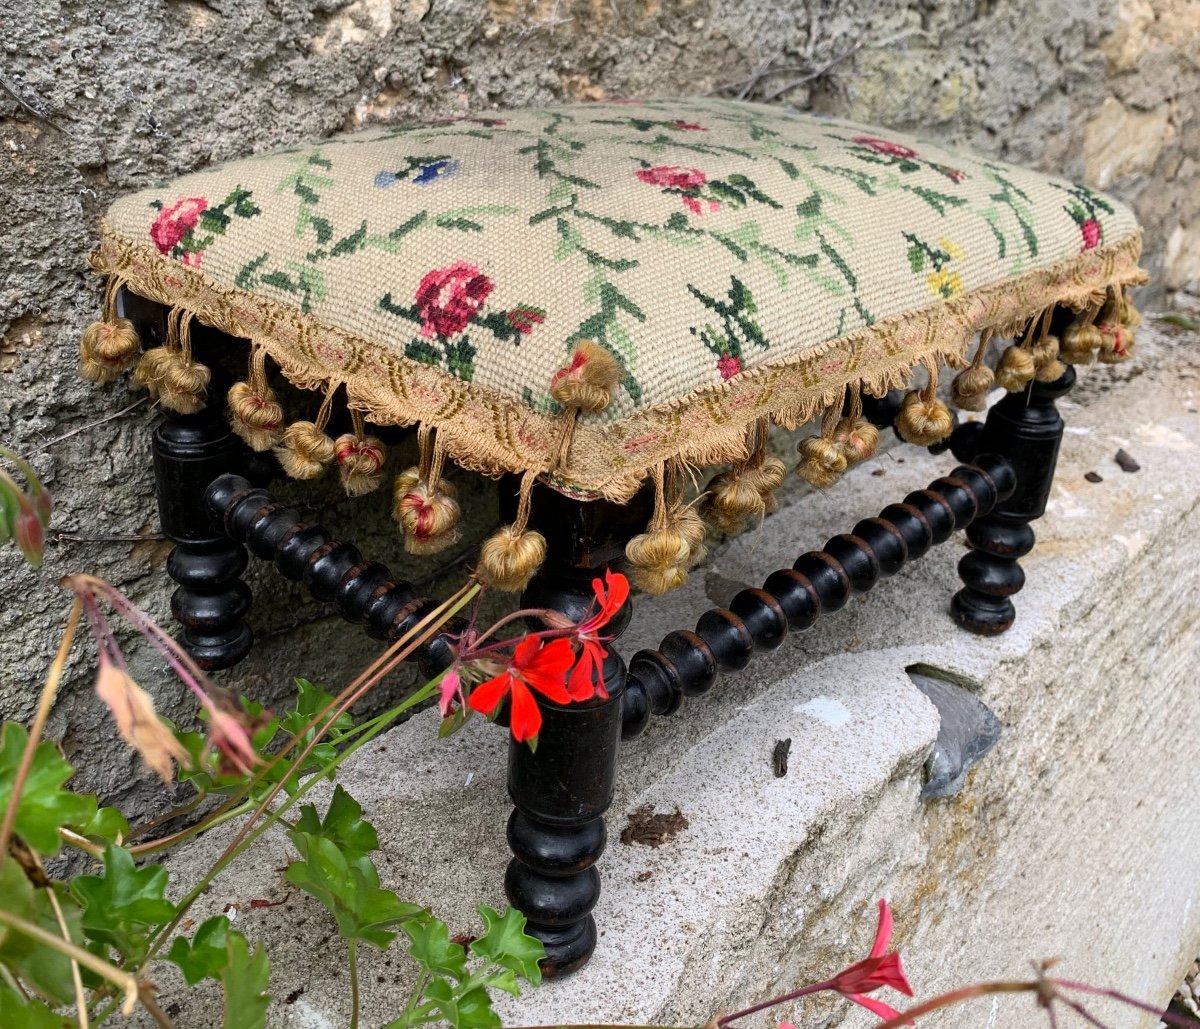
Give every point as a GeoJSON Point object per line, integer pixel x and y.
{"type": "Point", "coordinates": [448, 298]}
{"type": "Point", "coordinates": [729, 366]}
{"type": "Point", "coordinates": [672, 177]}
{"type": "Point", "coordinates": [175, 222]}
{"type": "Point", "coordinates": [1090, 230]}
{"type": "Point", "coordinates": [884, 146]}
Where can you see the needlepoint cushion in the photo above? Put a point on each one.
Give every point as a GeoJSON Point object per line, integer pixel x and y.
{"type": "Point", "coordinates": [738, 261]}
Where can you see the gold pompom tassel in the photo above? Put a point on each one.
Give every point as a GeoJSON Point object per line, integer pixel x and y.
{"type": "Point", "coordinates": [254, 410]}
{"type": "Point", "coordinates": [589, 381]}
{"type": "Point", "coordinates": [1081, 339]}
{"type": "Point", "coordinates": [1116, 325]}
{"type": "Point", "coordinates": [360, 459]}
{"type": "Point", "coordinates": [923, 419]}
{"type": "Point", "coordinates": [305, 450]}
{"type": "Point", "coordinates": [971, 386]}
{"type": "Point", "coordinates": [1016, 369]}
{"type": "Point", "coordinates": [170, 373]}
{"type": "Point", "coordinates": [659, 557]}
{"type": "Point", "coordinates": [857, 437]}
{"type": "Point", "coordinates": [822, 459]}
{"type": "Point", "coordinates": [111, 345]}
{"type": "Point", "coordinates": [425, 505]}
{"type": "Point", "coordinates": [511, 556]}
{"type": "Point", "coordinates": [747, 491]}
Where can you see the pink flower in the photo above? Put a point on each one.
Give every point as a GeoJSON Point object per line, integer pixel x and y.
{"type": "Point", "coordinates": [523, 319]}
{"type": "Point", "coordinates": [729, 366]}
{"type": "Point", "coordinates": [875, 971]}
{"type": "Point", "coordinates": [672, 177]}
{"type": "Point", "coordinates": [448, 298]}
{"type": "Point", "coordinates": [1090, 230]}
{"type": "Point", "coordinates": [450, 692]}
{"type": "Point", "coordinates": [884, 146]}
{"type": "Point", "coordinates": [176, 221]}
{"type": "Point", "coordinates": [688, 126]}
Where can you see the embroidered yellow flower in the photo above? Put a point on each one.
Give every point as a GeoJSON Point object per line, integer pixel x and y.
{"type": "Point", "coordinates": [953, 249]}
{"type": "Point", "coordinates": [945, 283]}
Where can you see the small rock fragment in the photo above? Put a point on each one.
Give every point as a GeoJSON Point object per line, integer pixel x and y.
{"type": "Point", "coordinates": [779, 757]}
{"type": "Point", "coordinates": [1093, 477]}
{"type": "Point", "coordinates": [1126, 461]}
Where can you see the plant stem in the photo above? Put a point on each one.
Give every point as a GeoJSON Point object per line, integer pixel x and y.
{"type": "Point", "coordinates": [86, 958]}
{"type": "Point", "coordinates": [218, 818]}
{"type": "Point", "coordinates": [945, 1000]}
{"type": "Point", "coordinates": [804, 991]}
{"type": "Point", "coordinates": [352, 958]}
{"type": "Point", "coordinates": [76, 978]}
{"type": "Point", "coordinates": [45, 703]}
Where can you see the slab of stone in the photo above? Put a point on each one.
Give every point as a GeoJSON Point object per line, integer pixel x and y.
{"type": "Point", "coordinates": [1077, 836]}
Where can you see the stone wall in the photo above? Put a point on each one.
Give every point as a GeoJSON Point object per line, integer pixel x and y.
{"type": "Point", "coordinates": [98, 99]}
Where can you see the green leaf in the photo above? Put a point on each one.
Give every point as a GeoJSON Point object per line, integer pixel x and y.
{"type": "Point", "coordinates": [28, 1014]}
{"type": "Point", "coordinates": [349, 244]}
{"type": "Point", "coordinates": [106, 824]}
{"type": "Point", "coordinates": [343, 824]}
{"type": "Point", "coordinates": [44, 805]}
{"type": "Point", "coordinates": [45, 969]}
{"type": "Point", "coordinates": [433, 949]}
{"type": "Point", "coordinates": [124, 904]}
{"type": "Point", "coordinates": [323, 230]}
{"type": "Point", "coordinates": [204, 956]}
{"type": "Point", "coordinates": [245, 978]}
{"type": "Point", "coordinates": [475, 1010]}
{"type": "Point", "coordinates": [506, 943]}
{"type": "Point", "coordinates": [349, 889]}
{"type": "Point", "coordinates": [916, 258]}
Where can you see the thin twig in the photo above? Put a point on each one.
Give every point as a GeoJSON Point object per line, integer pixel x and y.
{"type": "Point", "coordinates": [90, 425]}
{"type": "Point", "coordinates": [76, 978]}
{"type": "Point", "coordinates": [128, 537]}
{"type": "Point", "coordinates": [812, 76]}
{"type": "Point", "coordinates": [41, 116]}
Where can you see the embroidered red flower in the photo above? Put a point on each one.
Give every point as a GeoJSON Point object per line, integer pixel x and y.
{"type": "Point", "coordinates": [884, 146]}
{"type": "Point", "coordinates": [875, 971]}
{"type": "Point", "coordinates": [1090, 230]}
{"type": "Point", "coordinates": [544, 668]}
{"type": "Point", "coordinates": [729, 366]}
{"type": "Point", "coordinates": [587, 677]}
{"type": "Point", "coordinates": [672, 177]}
{"type": "Point", "coordinates": [447, 298]}
{"type": "Point", "coordinates": [175, 222]}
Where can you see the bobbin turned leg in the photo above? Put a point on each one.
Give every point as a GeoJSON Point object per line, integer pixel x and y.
{"type": "Point", "coordinates": [562, 789]}
{"type": "Point", "coordinates": [1027, 429]}
{"type": "Point", "coordinates": [211, 602]}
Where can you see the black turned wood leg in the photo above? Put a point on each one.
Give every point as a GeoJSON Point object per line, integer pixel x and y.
{"type": "Point", "coordinates": [1027, 429]}
{"type": "Point", "coordinates": [211, 601]}
{"type": "Point", "coordinates": [562, 789]}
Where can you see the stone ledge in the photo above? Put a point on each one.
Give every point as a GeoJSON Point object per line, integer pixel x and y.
{"type": "Point", "coordinates": [1077, 836]}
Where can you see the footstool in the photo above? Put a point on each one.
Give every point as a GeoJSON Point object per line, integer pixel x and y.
{"type": "Point", "coordinates": [597, 303]}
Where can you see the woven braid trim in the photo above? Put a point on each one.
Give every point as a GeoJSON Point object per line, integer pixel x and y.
{"type": "Point", "coordinates": [492, 434]}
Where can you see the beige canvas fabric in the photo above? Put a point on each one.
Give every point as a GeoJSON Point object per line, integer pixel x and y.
{"type": "Point", "coordinates": [739, 261]}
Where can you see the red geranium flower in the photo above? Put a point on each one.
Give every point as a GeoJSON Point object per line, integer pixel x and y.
{"type": "Point", "coordinates": [672, 177]}
{"type": "Point", "coordinates": [729, 366]}
{"type": "Point", "coordinates": [884, 146]}
{"type": "Point", "coordinates": [1091, 233]}
{"type": "Point", "coordinates": [447, 298]}
{"type": "Point", "coordinates": [587, 678]}
{"type": "Point", "coordinates": [532, 665]}
{"type": "Point", "coordinates": [176, 221]}
{"type": "Point", "coordinates": [877, 970]}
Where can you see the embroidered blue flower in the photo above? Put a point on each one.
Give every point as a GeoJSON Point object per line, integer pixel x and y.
{"type": "Point", "coordinates": [437, 170]}
{"type": "Point", "coordinates": [385, 179]}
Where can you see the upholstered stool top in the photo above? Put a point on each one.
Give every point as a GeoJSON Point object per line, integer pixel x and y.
{"type": "Point", "coordinates": [591, 292]}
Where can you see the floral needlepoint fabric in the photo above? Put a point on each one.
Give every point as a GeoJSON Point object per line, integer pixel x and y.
{"type": "Point", "coordinates": [738, 261]}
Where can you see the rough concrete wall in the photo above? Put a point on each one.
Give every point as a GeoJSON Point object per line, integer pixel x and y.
{"type": "Point", "coordinates": [98, 99]}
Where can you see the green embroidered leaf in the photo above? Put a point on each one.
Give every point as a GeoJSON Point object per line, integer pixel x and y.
{"type": "Point", "coordinates": [505, 942]}
{"type": "Point", "coordinates": [462, 224]}
{"type": "Point", "coordinates": [460, 358]}
{"type": "Point", "coordinates": [322, 228]}
{"type": "Point", "coordinates": [44, 969]}
{"type": "Point", "coordinates": [124, 904]}
{"type": "Point", "coordinates": [245, 978]}
{"type": "Point", "coordinates": [28, 1014]}
{"type": "Point", "coordinates": [423, 351]}
{"type": "Point", "coordinates": [44, 804]}
{"type": "Point", "coordinates": [916, 258]}
{"type": "Point", "coordinates": [416, 221]}
{"type": "Point", "coordinates": [343, 824]}
{"type": "Point", "coordinates": [246, 278]}
{"type": "Point", "coordinates": [811, 207]}
{"type": "Point", "coordinates": [789, 169]}
{"type": "Point", "coordinates": [279, 280]}
{"type": "Point", "coordinates": [204, 955]}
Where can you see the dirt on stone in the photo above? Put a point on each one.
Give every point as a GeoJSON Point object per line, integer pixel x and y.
{"type": "Point", "coordinates": [651, 828]}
